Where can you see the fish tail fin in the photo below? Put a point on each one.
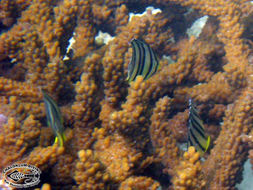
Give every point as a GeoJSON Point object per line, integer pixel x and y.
{"type": "Point", "coordinates": [56, 140]}
{"type": "Point", "coordinates": [208, 143]}
{"type": "Point", "coordinates": [60, 139]}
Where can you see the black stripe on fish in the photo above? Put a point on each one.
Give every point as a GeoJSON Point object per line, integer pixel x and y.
{"type": "Point", "coordinates": [143, 62]}
{"type": "Point", "coordinates": [149, 62]}
{"type": "Point", "coordinates": [141, 59]}
{"type": "Point", "coordinates": [196, 131]}
{"type": "Point", "coordinates": [134, 62]}
{"type": "Point", "coordinates": [51, 105]}
{"type": "Point", "coordinates": [54, 117]}
{"type": "Point", "coordinates": [197, 126]}
{"type": "Point", "coordinates": [196, 121]}
{"type": "Point", "coordinates": [196, 141]}
{"type": "Point", "coordinates": [154, 63]}
{"type": "Point", "coordinates": [201, 139]}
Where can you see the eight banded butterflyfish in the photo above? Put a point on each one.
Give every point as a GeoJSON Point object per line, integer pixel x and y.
{"type": "Point", "coordinates": [54, 118]}
{"type": "Point", "coordinates": [144, 62]}
{"type": "Point", "coordinates": [196, 132]}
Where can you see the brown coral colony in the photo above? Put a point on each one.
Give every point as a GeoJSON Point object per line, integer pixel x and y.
{"type": "Point", "coordinates": [119, 134]}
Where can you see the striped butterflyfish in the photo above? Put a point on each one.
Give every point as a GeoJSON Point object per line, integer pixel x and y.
{"type": "Point", "coordinates": [196, 132]}
{"type": "Point", "coordinates": [144, 62]}
{"type": "Point", "coordinates": [54, 118]}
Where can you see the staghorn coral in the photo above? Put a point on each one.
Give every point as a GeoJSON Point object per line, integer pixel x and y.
{"type": "Point", "coordinates": [229, 153]}
{"type": "Point", "coordinates": [120, 135]}
{"type": "Point", "coordinates": [89, 172]}
{"type": "Point", "coordinates": [43, 157]}
{"type": "Point", "coordinates": [139, 183]}
{"type": "Point", "coordinates": [118, 157]}
{"type": "Point", "coordinates": [188, 171]}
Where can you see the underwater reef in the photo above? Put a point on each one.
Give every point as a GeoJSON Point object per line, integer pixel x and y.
{"type": "Point", "coordinates": [120, 134]}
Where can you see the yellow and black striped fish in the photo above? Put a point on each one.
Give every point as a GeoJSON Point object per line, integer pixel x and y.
{"type": "Point", "coordinates": [54, 118]}
{"type": "Point", "coordinates": [144, 62]}
{"type": "Point", "coordinates": [196, 131]}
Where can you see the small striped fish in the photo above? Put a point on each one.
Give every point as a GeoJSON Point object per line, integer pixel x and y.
{"type": "Point", "coordinates": [196, 131]}
{"type": "Point", "coordinates": [144, 62]}
{"type": "Point", "coordinates": [54, 118]}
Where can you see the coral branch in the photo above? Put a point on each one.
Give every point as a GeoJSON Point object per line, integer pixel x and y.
{"type": "Point", "coordinates": [120, 134]}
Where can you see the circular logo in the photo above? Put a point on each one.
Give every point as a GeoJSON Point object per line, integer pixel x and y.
{"type": "Point", "coordinates": [21, 175]}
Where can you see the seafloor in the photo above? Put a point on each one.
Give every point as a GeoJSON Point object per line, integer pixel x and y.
{"type": "Point", "coordinates": [122, 135]}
